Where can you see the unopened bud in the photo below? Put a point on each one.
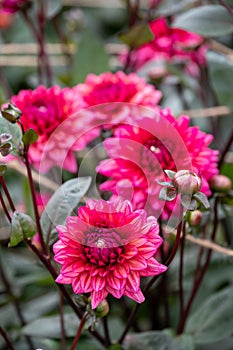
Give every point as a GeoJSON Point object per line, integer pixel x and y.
{"type": "Point", "coordinates": [102, 309]}
{"type": "Point", "coordinates": [186, 182]}
{"type": "Point", "coordinates": [220, 183]}
{"type": "Point", "coordinates": [11, 113]}
{"type": "Point", "coordinates": [195, 218]}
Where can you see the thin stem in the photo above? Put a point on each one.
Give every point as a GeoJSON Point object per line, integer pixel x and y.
{"type": "Point", "coordinates": [62, 321]}
{"type": "Point", "coordinates": [226, 149]}
{"type": "Point", "coordinates": [15, 303]}
{"type": "Point", "coordinates": [8, 196]}
{"type": "Point", "coordinates": [63, 39]}
{"type": "Point", "coordinates": [5, 85]}
{"type": "Point", "coordinates": [106, 330]}
{"type": "Point", "coordinates": [181, 289]}
{"type": "Point", "coordinates": [81, 325]}
{"type": "Point", "coordinates": [198, 281]}
{"type": "Point", "coordinates": [7, 340]}
{"type": "Point", "coordinates": [4, 207]}
{"type": "Point", "coordinates": [47, 263]}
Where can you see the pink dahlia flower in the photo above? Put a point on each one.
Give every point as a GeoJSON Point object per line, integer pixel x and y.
{"type": "Point", "coordinates": [13, 6]}
{"type": "Point", "coordinates": [139, 154]}
{"type": "Point", "coordinates": [168, 43]}
{"type": "Point", "coordinates": [52, 113]}
{"type": "Point", "coordinates": [106, 249]}
{"type": "Point", "coordinates": [118, 87]}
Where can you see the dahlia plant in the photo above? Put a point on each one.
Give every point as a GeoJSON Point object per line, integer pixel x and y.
{"type": "Point", "coordinates": [115, 184]}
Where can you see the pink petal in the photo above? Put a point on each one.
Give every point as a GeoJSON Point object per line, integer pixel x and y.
{"type": "Point", "coordinates": [98, 283]}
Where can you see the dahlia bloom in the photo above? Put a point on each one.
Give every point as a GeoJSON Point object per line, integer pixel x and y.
{"type": "Point", "coordinates": [106, 249]}
{"type": "Point", "coordinates": [168, 43]}
{"type": "Point", "coordinates": [139, 154]}
{"type": "Point", "coordinates": [118, 87]}
{"type": "Point", "coordinates": [52, 113]}
{"type": "Point", "coordinates": [13, 6]}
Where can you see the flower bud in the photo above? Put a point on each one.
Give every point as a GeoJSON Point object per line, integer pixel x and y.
{"type": "Point", "coordinates": [220, 183]}
{"type": "Point", "coordinates": [195, 218]}
{"type": "Point", "coordinates": [102, 309]}
{"type": "Point", "coordinates": [11, 113]}
{"type": "Point", "coordinates": [186, 182]}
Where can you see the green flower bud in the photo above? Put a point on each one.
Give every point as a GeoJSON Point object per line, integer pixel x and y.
{"type": "Point", "coordinates": [11, 113]}
{"type": "Point", "coordinates": [102, 309]}
{"type": "Point", "coordinates": [195, 218]}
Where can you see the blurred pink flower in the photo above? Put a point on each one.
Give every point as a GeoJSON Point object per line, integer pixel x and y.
{"type": "Point", "coordinates": [139, 154]}
{"type": "Point", "coordinates": [6, 19]}
{"type": "Point", "coordinates": [118, 87]}
{"type": "Point", "coordinates": [168, 43]}
{"type": "Point", "coordinates": [51, 113]}
{"type": "Point", "coordinates": [13, 6]}
{"type": "Point", "coordinates": [106, 249]}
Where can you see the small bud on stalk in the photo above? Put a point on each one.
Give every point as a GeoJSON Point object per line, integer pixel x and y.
{"type": "Point", "coordinates": [186, 182]}
{"type": "Point", "coordinates": [102, 309]}
{"type": "Point", "coordinates": [220, 183]}
{"type": "Point", "coordinates": [11, 113]}
{"type": "Point", "coordinates": [195, 218]}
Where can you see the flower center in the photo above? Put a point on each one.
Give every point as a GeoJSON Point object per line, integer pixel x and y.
{"type": "Point", "coordinates": [158, 150]}
{"type": "Point", "coordinates": [102, 247]}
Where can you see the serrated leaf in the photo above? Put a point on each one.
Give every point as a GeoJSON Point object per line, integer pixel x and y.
{"type": "Point", "coordinates": [208, 20]}
{"type": "Point", "coordinates": [167, 194]}
{"type": "Point", "coordinates": [68, 196]}
{"type": "Point", "coordinates": [137, 35]}
{"type": "Point", "coordinates": [13, 130]}
{"type": "Point", "coordinates": [213, 320]}
{"type": "Point", "coordinates": [29, 137]}
{"type": "Point", "coordinates": [22, 226]}
{"type": "Point", "coordinates": [202, 199]}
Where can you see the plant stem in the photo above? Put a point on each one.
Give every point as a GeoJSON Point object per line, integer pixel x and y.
{"type": "Point", "coordinates": [197, 281]}
{"type": "Point", "coordinates": [62, 321]}
{"type": "Point", "coordinates": [4, 207]}
{"type": "Point", "coordinates": [155, 278]}
{"type": "Point", "coordinates": [226, 149]}
{"type": "Point", "coordinates": [81, 325]}
{"type": "Point", "coordinates": [15, 303]}
{"type": "Point", "coordinates": [181, 290]}
{"type": "Point", "coordinates": [106, 330]}
{"type": "Point", "coordinates": [7, 340]}
{"type": "Point", "coordinates": [8, 196]}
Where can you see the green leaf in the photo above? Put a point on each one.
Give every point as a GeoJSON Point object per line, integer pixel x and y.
{"type": "Point", "coordinates": [68, 196]}
{"type": "Point", "coordinates": [221, 77]}
{"type": "Point", "coordinates": [22, 226]}
{"type": "Point", "coordinates": [213, 320]}
{"type": "Point", "coordinates": [208, 20]}
{"type": "Point", "coordinates": [170, 173]}
{"type": "Point", "coordinates": [167, 194]}
{"type": "Point", "coordinates": [188, 202]}
{"type": "Point", "coordinates": [186, 341]}
{"type": "Point", "coordinates": [90, 57]}
{"type": "Point", "coordinates": [151, 341]}
{"type": "Point", "coordinates": [202, 199]}
{"type": "Point", "coordinates": [115, 347]}
{"type": "Point", "coordinates": [13, 130]}
{"type": "Point", "coordinates": [137, 35]}
{"type": "Point", "coordinates": [29, 137]}
{"type": "Point", "coordinates": [52, 8]}
{"type": "Point", "coordinates": [50, 327]}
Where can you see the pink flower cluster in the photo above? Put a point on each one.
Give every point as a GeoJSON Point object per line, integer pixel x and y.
{"type": "Point", "coordinates": [106, 249]}
{"type": "Point", "coordinates": [54, 114]}
{"type": "Point", "coordinates": [168, 44]}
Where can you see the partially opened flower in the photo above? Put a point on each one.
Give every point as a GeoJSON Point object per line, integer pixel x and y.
{"type": "Point", "coordinates": [106, 249]}
{"type": "Point", "coordinates": [139, 153]}
{"type": "Point", "coordinates": [48, 111]}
